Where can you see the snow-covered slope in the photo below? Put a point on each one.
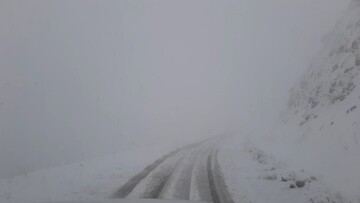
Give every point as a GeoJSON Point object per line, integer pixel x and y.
{"type": "Point", "coordinates": [332, 78]}
{"type": "Point", "coordinates": [323, 115]}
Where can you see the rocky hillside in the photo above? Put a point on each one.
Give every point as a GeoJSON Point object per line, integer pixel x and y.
{"type": "Point", "coordinates": [332, 82]}
{"type": "Point", "coordinates": [323, 111]}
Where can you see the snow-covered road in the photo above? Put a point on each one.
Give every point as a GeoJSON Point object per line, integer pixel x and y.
{"type": "Point", "coordinates": [190, 173]}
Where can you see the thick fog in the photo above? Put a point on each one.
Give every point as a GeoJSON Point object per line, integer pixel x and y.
{"type": "Point", "coordinates": [80, 79]}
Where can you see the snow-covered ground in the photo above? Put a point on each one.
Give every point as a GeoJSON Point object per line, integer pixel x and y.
{"type": "Point", "coordinates": [95, 179]}
{"type": "Point", "coordinates": [253, 170]}
{"type": "Point", "coordinates": [321, 130]}
{"type": "Point", "coordinates": [272, 175]}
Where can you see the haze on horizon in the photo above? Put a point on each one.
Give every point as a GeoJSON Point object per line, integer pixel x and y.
{"type": "Point", "coordinates": [80, 79]}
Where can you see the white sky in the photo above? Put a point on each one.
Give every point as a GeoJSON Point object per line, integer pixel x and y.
{"type": "Point", "coordinates": [86, 78]}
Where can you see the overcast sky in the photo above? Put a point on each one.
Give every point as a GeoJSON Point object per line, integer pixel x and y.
{"type": "Point", "coordinates": [86, 78]}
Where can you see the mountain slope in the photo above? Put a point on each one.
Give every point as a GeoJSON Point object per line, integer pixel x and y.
{"type": "Point", "coordinates": [324, 108]}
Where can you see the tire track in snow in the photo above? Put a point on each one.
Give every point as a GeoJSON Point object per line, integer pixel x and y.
{"type": "Point", "coordinates": [200, 188]}
{"type": "Point", "coordinates": [218, 187]}
{"type": "Point", "coordinates": [151, 186]}
{"type": "Point", "coordinates": [129, 186]}
{"type": "Point", "coordinates": [190, 173]}
{"type": "Point", "coordinates": [178, 184]}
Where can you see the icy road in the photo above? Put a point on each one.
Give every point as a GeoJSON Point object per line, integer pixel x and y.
{"type": "Point", "coordinates": [189, 173]}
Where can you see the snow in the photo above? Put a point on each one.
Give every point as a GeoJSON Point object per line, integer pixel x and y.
{"type": "Point", "coordinates": [94, 179]}
{"type": "Point", "coordinates": [176, 178]}
{"type": "Point", "coordinates": [254, 171]}
{"type": "Point", "coordinates": [199, 187]}
{"type": "Point", "coordinates": [317, 143]}
{"type": "Point", "coordinates": [159, 174]}
{"type": "Point", "coordinates": [320, 129]}
{"type": "Point", "coordinates": [131, 201]}
{"type": "Point", "coordinates": [255, 176]}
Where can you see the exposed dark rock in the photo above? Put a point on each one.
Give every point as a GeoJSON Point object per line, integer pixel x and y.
{"type": "Point", "coordinates": [357, 61]}
{"type": "Point", "coordinates": [349, 69]}
{"type": "Point", "coordinates": [313, 178]}
{"type": "Point", "coordinates": [355, 45]}
{"type": "Point", "coordinates": [351, 109]}
{"type": "Point", "coordinates": [300, 183]}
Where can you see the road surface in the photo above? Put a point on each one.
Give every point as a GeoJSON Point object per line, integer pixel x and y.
{"type": "Point", "coordinates": [190, 173]}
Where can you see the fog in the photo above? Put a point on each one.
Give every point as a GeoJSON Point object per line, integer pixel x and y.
{"type": "Point", "coordinates": [80, 79]}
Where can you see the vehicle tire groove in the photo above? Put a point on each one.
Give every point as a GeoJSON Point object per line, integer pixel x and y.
{"type": "Point", "coordinates": [129, 186]}
{"type": "Point", "coordinates": [213, 192]}
{"type": "Point", "coordinates": [219, 189]}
